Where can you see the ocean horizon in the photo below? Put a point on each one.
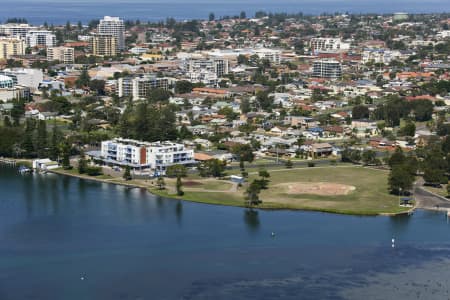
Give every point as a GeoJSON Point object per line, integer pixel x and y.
{"type": "Point", "coordinates": [59, 12]}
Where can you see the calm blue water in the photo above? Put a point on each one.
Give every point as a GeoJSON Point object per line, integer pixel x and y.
{"type": "Point", "coordinates": [60, 11]}
{"type": "Point", "coordinates": [128, 244]}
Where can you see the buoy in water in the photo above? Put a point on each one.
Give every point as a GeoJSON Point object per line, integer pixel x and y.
{"type": "Point", "coordinates": [82, 278]}
{"type": "Point", "coordinates": [273, 234]}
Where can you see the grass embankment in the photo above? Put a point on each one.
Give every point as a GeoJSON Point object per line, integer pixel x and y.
{"type": "Point", "coordinates": [442, 191]}
{"type": "Point", "coordinates": [366, 191]}
{"type": "Point", "coordinates": [341, 189]}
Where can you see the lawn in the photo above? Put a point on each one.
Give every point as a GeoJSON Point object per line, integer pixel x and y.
{"type": "Point", "coordinates": [364, 191]}
{"type": "Point", "coordinates": [370, 194]}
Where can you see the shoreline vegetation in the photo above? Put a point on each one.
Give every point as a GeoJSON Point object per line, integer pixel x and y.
{"type": "Point", "coordinates": [366, 193]}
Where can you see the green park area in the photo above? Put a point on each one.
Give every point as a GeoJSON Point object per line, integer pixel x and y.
{"type": "Point", "coordinates": [337, 189]}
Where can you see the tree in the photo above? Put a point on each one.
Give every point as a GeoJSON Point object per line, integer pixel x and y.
{"type": "Point", "coordinates": [98, 86]}
{"type": "Point", "coordinates": [400, 179]}
{"type": "Point", "coordinates": [161, 183]}
{"type": "Point", "coordinates": [422, 109]}
{"type": "Point", "coordinates": [244, 152]}
{"type": "Point", "coordinates": [245, 106]}
{"type": "Point", "coordinates": [41, 139]}
{"type": "Point", "coordinates": [211, 16]}
{"type": "Point", "coordinates": [242, 15]}
{"type": "Point", "coordinates": [127, 173]}
{"type": "Point", "coordinates": [82, 163]}
{"type": "Point", "coordinates": [183, 87]}
{"type": "Point", "coordinates": [360, 112]}
{"type": "Point", "coordinates": [178, 186]}
{"type": "Point", "coordinates": [7, 122]}
{"type": "Point", "coordinates": [369, 157]}
{"type": "Point", "coordinates": [176, 171]}
{"type": "Point", "coordinates": [158, 95]}
{"type": "Point", "coordinates": [397, 158]}
{"type": "Point", "coordinates": [433, 176]}
{"type": "Point", "coordinates": [94, 171]}
{"type": "Point", "coordinates": [289, 164]}
{"type": "Point", "coordinates": [252, 193]}
{"type": "Point", "coordinates": [229, 113]}
{"type": "Point", "coordinates": [65, 153]}
{"type": "Point", "coordinates": [83, 80]}
{"type": "Point", "coordinates": [409, 129]}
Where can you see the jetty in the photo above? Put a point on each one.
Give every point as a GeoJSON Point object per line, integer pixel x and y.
{"type": "Point", "coordinates": [6, 161]}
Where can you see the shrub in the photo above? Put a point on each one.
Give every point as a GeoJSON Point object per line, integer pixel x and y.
{"type": "Point", "coordinates": [94, 171]}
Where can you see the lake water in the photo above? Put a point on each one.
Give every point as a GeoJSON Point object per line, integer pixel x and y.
{"type": "Point", "coordinates": [60, 11]}
{"type": "Point", "coordinates": [66, 238]}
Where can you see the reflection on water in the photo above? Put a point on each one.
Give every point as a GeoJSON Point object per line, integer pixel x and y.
{"type": "Point", "coordinates": [251, 219]}
{"type": "Point", "coordinates": [133, 245]}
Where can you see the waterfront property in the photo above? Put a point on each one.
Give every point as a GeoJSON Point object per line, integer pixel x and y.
{"type": "Point", "coordinates": [154, 157]}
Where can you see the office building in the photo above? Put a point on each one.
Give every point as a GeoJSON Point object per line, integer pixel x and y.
{"type": "Point", "coordinates": [113, 26]}
{"type": "Point", "coordinates": [327, 69]}
{"type": "Point", "coordinates": [103, 45]}
{"type": "Point", "coordinates": [64, 55]}
{"type": "Point", "coordinates": [10, 46]}
{"type": "Point", "coordinates": [43, 38]}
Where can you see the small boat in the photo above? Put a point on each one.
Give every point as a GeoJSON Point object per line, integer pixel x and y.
{"type": "Point", "coordinates": [24, 170]}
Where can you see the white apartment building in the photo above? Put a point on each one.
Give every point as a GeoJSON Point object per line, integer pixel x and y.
{"type": "Point", "coordinates": [113, 26]}
{"type": "Point", "coordinates": [140, 87]}
{"type": "Point", "coordinates": [327, 69]}
{"type": "Point", "coordinates": [64, 55]}
{"type": "Point", "coordinates": [272, 55]}
{"type": "Point", "coordinates": [145, 156]}
{"type": "Point", "coordinates": [16, 30]}
{"type": "Point", "coordinates": [43, 38]}
{"type": "Point", "coordinates": [218, 66]}
{"type": "Point", "coordinates": [319, 45]}
{"type": "Point", "coordinates": [10, 46]}
{"type": "Point", "coordinates": [380, 56]}
{"type": "Point", "coordinates": [207, 71]}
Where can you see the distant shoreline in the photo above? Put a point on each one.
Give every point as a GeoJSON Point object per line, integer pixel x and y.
{"type": "Point", "coordinates": [36, 12]}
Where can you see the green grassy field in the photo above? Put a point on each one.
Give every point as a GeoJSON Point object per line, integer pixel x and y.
{"type": "Point", "coordinates": [369, 197]}
{"type": "Point", "coordinates": [367, 190]}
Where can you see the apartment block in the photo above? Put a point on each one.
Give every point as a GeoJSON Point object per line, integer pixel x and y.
{"type": "Point", "coordinates": [113, 26]}
{"type": "Point", "coordinates": [327, 69]}
{"type": "Point", "coordinates": [145, 156]}
{"type": "Point", "coordinates": [10, 46]}
{"type": "Point", "coordinates": [16, 30]}
{"type": "Point", "coordinates": [103, 45]}
{"type": "Point", "coordinates": [44, 38]}
{"type": "Point", "coordinates": [64, 55]}
{"type": "Point", "coordinates": [140, 87]}
{"type": "Point", "coordinates": [319, 45]}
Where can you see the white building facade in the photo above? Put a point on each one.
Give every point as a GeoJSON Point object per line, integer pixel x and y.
{"type": "Point", "coordinates": [143, 155]}
{"type": "Point", "coordinates": [113, 26]}
{"type": "Point", "coordinates": [319, 45]}
{"type": "Point", "coordinates": [327, 69]}
{"type": "Point", "coordinates": [140, 87]}
{"type": "Point", "coordinates": [43, 38]}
